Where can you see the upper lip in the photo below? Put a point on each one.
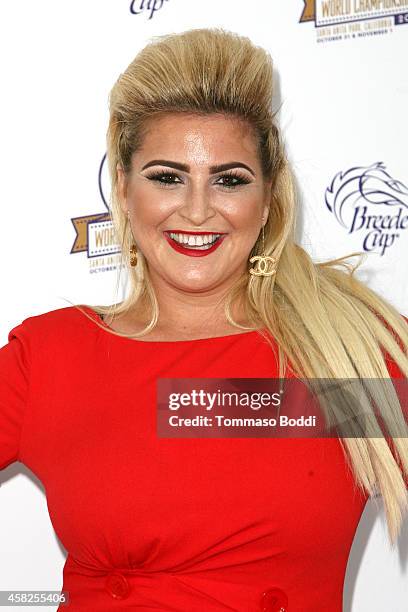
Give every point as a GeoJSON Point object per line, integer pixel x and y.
{"type": "Point", "coordinates": [179, 231]}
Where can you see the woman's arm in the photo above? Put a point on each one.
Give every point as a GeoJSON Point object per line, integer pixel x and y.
{"type": "Point", "coordinates": [14, 387]}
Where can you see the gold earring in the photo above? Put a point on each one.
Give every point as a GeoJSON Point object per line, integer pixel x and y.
{"type": "Point", "coordinates": [133, 255]}
{"type": "Point", "coordinates": [263, 262]}
{"type": "Point", "coordinates": [133, 249]}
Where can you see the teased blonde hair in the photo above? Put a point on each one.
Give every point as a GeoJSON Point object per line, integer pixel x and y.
{"type": "Point", "coordinates": [325, 321]}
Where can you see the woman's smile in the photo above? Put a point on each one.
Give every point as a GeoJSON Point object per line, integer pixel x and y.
{"type": "Point", "coordinates": [194, 244]}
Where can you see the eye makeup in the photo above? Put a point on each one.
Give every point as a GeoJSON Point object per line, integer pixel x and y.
{"type": "Point", "coordinates": [238, 177]}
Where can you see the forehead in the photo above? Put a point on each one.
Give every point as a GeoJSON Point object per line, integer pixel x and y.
{"type": "Point", "coordinates": [200, 138]}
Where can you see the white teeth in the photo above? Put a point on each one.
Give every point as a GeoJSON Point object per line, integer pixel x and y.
{"type": "Point", "coordinates": [203, 241]}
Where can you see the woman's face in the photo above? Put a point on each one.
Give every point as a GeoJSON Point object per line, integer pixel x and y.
{"type": "Point", "coordinates": [196, 176]}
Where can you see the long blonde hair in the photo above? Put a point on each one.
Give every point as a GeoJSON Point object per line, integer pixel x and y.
{"type": "Point", "coordinates": [325, 321]}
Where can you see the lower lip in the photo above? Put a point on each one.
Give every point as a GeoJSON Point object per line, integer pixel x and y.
{"type": "Point", "coordinates": [193, 252]}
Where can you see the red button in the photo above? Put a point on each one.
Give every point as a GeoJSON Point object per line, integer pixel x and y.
{"type": "Point", "coordinates": [117, 585]}
{"type": "Point", "coordinates": [274, 600]}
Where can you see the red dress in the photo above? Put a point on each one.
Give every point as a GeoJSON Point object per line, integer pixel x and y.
{"type": "Point", "coordinates": [191, 525]}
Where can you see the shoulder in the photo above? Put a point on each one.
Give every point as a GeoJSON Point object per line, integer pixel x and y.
{"type": "Point", "coordinates": [53, 326]}
{"type": "Point", "coordinates": [393, 368]}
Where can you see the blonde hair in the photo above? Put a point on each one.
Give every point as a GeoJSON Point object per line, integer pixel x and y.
{"type": "Point", "coordinates": [325, 321]}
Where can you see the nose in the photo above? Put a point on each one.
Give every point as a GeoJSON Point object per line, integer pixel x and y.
{"type": "Point", "coordinates": [197, 207]}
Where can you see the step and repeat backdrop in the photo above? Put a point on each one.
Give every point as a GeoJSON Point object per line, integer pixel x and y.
{"type": "Point", "coordinates": [342, 88]}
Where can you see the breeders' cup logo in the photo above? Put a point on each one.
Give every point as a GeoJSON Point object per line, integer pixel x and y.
{"type": "Point", "coordinates": [95, 233]}
{"type": "Point", "coordinates": [359, 197]}
{"type": "Point", "coordinates": [140, 6]}
{"type": "Point", "coordinates": [343, 19]}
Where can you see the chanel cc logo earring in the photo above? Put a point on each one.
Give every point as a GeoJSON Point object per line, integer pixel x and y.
{"type": "Point", "coordinates": [264, 264]}
{"type": "Point", "coordinates": [133, 248]}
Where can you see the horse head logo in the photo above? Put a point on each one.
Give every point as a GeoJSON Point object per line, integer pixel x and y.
{"type": "Point", "coordinates": [362, 184]}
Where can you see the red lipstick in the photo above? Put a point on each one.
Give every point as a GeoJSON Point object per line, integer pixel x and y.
{"type": "Point", "coordinates": [185, 250]}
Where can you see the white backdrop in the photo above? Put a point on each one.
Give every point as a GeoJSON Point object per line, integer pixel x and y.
{"type": "Point", "coordinates": [343, 86]}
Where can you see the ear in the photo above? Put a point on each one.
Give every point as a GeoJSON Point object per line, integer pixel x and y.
{"type": "Point", "coordinates": [122, 187]}
{"type": "Point", "coordinates": [265, 214]}
{"type": "Point", "coordinates": [267, 202]}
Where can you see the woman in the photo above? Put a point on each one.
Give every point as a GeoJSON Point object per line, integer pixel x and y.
{"type": "Point", "coordinates": [202, 524]}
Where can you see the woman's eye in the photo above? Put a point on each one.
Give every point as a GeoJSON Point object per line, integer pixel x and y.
{"type": "Point", "coordinates": [233, 180]}
{"type": "Point", "coordinates": [164, 178]}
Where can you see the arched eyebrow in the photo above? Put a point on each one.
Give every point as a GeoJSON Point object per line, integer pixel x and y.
{"type": "Point", "coordinates": [186, 168]}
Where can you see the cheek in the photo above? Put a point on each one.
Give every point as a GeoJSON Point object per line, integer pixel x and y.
{"type": "Point", "coordinates": [149, 206]}
{"type": "Point", "coordinates": [243, 212]}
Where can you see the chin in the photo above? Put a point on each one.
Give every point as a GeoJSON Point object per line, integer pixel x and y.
{"type": "Point", "coordinates": [193, 284]}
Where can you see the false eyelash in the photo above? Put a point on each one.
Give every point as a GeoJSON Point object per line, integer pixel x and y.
{"type": "Point", "coordinates": [161, 174]}
{"type": "Point", "coordinates": [233, 174]}
{"type": "Point", "coordinates": [243, 180]}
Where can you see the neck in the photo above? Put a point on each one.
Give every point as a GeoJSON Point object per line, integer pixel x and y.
{"type": "Point", "coordinates": [194, 311]}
